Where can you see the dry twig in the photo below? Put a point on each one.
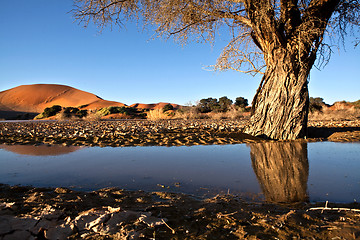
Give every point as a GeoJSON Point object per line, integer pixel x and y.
{"type": "Point", "coordinates": [333, 209]}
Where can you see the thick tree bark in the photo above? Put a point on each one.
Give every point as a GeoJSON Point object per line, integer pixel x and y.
{"type": "Point", "coordinates": [280, 106]}
{"type": "Point", "coordinates": [282, 169]}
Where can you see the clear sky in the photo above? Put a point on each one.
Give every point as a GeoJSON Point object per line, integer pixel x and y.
{"type": "Point", "coordinates": [41, 43]}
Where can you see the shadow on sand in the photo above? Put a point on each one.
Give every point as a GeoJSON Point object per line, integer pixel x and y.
{"type": "Point", "coordinates": [325, 132]}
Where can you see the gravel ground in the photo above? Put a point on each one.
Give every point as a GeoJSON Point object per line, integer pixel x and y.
{"type": "Point", "coordinates": [41, 213]}
{"type": "Point", "coordinates": [167, 132]}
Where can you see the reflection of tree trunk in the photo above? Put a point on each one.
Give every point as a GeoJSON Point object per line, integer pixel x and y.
{"type": "Point", "coordinates": [282, 169]}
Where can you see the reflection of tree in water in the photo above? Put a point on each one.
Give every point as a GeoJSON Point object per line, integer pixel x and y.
{"type": "Point", "coordinates": [282, 169]}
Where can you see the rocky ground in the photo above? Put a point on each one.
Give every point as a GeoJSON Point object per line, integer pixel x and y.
{"type": "Point", "coordinates": [38, 213]}
{"type": "Point", "coordinates": [166, 132]}
{"type": "Point", "coordinates": [41, 213]}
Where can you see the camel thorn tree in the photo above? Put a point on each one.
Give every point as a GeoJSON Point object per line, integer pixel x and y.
{"type": "Point", "coordinates": [280, 39]}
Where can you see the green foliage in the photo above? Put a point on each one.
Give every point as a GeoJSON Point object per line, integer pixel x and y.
{"type": "Point", "coordinates": [167, 107]}
{"type": "Point", "coordinates": [49, 111]}
{"type": "Point", "coordinates": [112, 110]}
{"type": "Point", "coordinates": [316, 104]}
{"type": "Point", "coordinates": [82, 113]}
{"type": "Point", "coordinates": [52, 111]}
{"type": "Point", "coordinates": [225, 104]}
{"type": "Point", "coordinates": [75, 112]}
{"type": "Point", "coordinates": [208, 105]}
{"type": "Point", "coordinates": [241, 102]}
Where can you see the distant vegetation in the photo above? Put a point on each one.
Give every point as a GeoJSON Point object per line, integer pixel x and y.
{"type": "Point", "coordinates": [49, 112]}
{"type": "Point", "coordinates": [241, 102]}
{"type": "Point", "coordinates": [224, 104]}
{"type": "Point", "coordinates": [222, 108]}
{"type": "Point", "coordinates": [62, 112]}
{"type": "Point", "coordinates": [167, 107]}
{"type": "Point", "coordinates": [70, 112]}
{"type": "Point", "coordinates": [113, 110]}
{"type": "Point", "coordinates": [78, 113]}
{"type": "Point", "coordinates": [356, 104]}
{"type": "Point", "coordinates": [316, 104]}
{"type": "Point", "coordinates": [341, 110]}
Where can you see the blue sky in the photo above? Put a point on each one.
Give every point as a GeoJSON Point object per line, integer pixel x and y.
{"type": "Point", "coordinates": [41, 43]}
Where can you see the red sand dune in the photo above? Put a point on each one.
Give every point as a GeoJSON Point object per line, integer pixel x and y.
{"type": "Point", "coordinates": [34, 98]}
{"type": "Point", "coordinates": [103, 103]}
{"type": "Point", "coordinates": [153, 105]}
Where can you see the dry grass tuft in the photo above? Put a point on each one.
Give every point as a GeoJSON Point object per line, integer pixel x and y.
{"type": "Point", "coordinates": [233, 114]}
{"type": "Point", "coordinates": [187, 113]}
{"type": "Point", "coordinates": [157, 114]}
{"type": "Point", "coordinates": [342, 114]}
{"type": "Point", "coordinates": [93, 116]}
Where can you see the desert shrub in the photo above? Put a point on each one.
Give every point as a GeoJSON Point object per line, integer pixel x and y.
{"type": "Point", "coordinates": [168, 107]}
{"type": "Point", "coordinates": [241, 102]}
{"type": "Point", "coordinates": [103, 111]}
{"type": "Point", "coordinates": [70, 112]}
{"type": "Point", "coordinates": [208, 105]}
{"type": "Point", "coordinates": [316, 104]}
{"type": "Point", "coordinates": [92, 116]}
{"type": "Point", "coordinates": [341, 114]}
{"type": "Point", "coordinates": [224, 104]}
{"type": "Point", "coordinates": [233, 113]}
{"type": "Point", "coordinates": [49, 112]}
{"type": "Point", "coordinates": [157, 114]}
{"type": "Point", "coordinates": [81, 113]}
{"type": "Point", "coordinates": [112, 110]}
{"type": "Point", "coordinates": [187, 112]}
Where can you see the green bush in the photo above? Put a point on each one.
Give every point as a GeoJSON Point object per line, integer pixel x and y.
{"type": "Point", "coordinates": [75, 112]}
{"type": "Point", "coordinates": [112, 110]}
{"type": "Point", "coordinates": [168, 107]}
{"type": "Point", "coordinates": [49, 112]}
{"type": "Point", "coordinates": [316, 104]}
{"type": "Point", "coordinates": [225, 104]}
{"type": "Point", "coordinates": [82, 113]}
{"type": "Point", "coordinates": [241, 102]}
{"type": "Point", "coordinates": [208, 105]}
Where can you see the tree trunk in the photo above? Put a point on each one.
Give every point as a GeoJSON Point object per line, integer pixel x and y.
{"type": "Point", "coordinates": [280, 106]}
{"type": "Point", "coordinates": [282, 169]}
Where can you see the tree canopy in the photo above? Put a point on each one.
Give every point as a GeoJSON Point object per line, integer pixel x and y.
{"type": "Point", "coordinates": [279, 38]}
{"type": "Point", "coordinates": [254, 25]}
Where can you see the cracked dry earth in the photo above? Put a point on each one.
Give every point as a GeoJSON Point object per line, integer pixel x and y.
{"type": "Point", "coordinates": [44, 213]}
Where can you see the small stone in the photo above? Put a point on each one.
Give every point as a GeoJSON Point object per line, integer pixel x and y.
{"type": "Point", "coordinates": [151, 221]}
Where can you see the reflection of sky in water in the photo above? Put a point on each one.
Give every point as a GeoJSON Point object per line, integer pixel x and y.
{"type": "Point", "coordinates": [334, 172]}
{"type": "Point", "coordinates": [333, 169]}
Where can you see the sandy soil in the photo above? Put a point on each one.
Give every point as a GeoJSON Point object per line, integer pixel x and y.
{"type": "Point", "coordinates": [28, 213]}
